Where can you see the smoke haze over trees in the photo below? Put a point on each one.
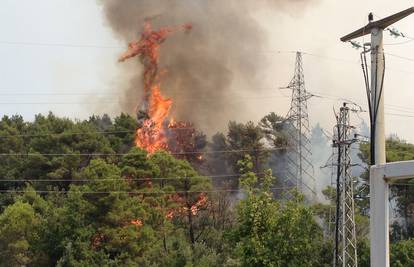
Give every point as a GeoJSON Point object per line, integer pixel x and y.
{"type": "Point", "coordinates": [220, 58]}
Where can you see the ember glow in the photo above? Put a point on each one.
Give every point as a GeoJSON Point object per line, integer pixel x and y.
{"type": "Point", "coordinates": [153, 113]}
{"type": "Point", "coordinates": [137, 222]}
{"type": "Point", "coordinates": [184, 209]}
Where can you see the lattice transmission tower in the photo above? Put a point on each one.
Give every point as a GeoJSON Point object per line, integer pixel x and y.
{"type": "Point", "coordinates": [345, 236]}
{"type": "Point", "coordinates": [300, 168]}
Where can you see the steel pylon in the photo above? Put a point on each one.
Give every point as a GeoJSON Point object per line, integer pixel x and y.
{"type": "Point", "coordinates": [345, 234]}
{"type": "Point", "coordinates": [300, 168]}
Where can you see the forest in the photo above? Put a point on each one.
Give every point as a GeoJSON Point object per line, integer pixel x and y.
{"type": "Point", "coordinates": [80, 193]}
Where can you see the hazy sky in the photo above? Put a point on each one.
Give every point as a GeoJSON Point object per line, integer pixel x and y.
{"type": "Point", "coordinates": [62, 55]}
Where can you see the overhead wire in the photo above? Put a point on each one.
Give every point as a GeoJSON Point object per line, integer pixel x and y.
{"type": "Point", "coordinates": [60, 45]}
{"type": "Point", "coordinates": [400, 57]}
{"type": "Point", "coordinates": [400, 43]}
{"type": "Point", "coordinates": [407, 110]}
{"type": "Point", "coordinates": [267, 97]}
{"type": "Point", "coordinates": [221, 176]}
{"type": "Point", "coordinates": [320, 95]}
{"type": "Point", "coordinates": [133, 192]}
{"type": "Point", "coordinates": [132, 154]}
{"type": "Point", "coordinates": [399, 34]}
{"type": "Point", "coordinates": [3, 93]}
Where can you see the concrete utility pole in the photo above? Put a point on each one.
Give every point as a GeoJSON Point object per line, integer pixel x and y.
{"type": "Point", "coordinates": [379, 225]}
{"type": "Point", "coordinates": [345, 235]}
{"type": "Point", "coordinates": [300, 168]}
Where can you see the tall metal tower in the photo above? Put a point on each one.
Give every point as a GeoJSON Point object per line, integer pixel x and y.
{"type": "Point", "coordinates": [345, 236]}
{"type": "Point", "coordinates": [300, 168]}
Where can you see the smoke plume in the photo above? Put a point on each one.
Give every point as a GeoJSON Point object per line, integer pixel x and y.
{"type": "Point", "coordinates": [220, 58]}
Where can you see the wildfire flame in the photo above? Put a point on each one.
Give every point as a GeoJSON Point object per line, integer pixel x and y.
{"type": "Point", "coordinates": [137, 222]}
{"type": "Point", "coordinates": [154, 111]}
{"type": "Point", "coordinates": [183, 209]}
{"type": "Point", "coordinates": [151, 136]}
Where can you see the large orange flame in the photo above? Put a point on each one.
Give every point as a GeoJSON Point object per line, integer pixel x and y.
{"type": "Point", "coordinates": [151, 136]}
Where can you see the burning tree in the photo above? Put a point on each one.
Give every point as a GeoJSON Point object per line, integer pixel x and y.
{"type": "Point", "coordinates": [157, 132]}
{"type": "Point", "coordinates": [186, 142]}
{"type": "Point", "coordinates": [153, 112]}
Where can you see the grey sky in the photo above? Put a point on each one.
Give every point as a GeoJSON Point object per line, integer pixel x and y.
{"type": "Point", "coordinates": [54, 69]}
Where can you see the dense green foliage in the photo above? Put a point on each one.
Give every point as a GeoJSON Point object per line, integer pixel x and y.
{"type": "Point", "coordinates": [402, 253]}
{"type": "Point", "coordinates": [78, 193]}
{"type": "Point", "coordinates": [273, 233]}
{"type": "Point", "coordinates": [402, 197]}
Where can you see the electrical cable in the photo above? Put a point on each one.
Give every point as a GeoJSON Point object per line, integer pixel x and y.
{"type": "Point", "coordinates": [61, 45]}
{"type": "Point", "coordinates": [401, 43]}
{"type": "Point", "coordinates": [265, 97]}
{"type": "Point", "coordinates": [221, 176]}
{"type": "Point", "coordinates": [131, 192]}
{"type": "Point", "coordinates": [52, 94]}
{"type": "Point", "coordinates": [132, 154]}
{"type": "Point", "coordinates": [373, 115]}
{"type": "Point", "coordinates": [382, 85]}
{"type": "Point", "coordinates": [400, 57]}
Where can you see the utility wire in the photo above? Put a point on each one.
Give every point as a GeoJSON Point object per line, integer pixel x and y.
{"type": "Point", "coordinates": [400, 57]}
{"type": "Point", "coordinates": [118, 47]}
{"type": "Point", "coordinates": [70, 133]}
{"type": "Point", "coordinates": [221, 176]}
{"type": "Point", "coordinates": [53, 94]}
{"type": "Point", "coordinates": [401, 43]}
{"type": "Point", "coordinates": [85, 133]}
{"type": "Point", "coordinates": [400, 115]}
{"type": "Point", "coordinates": [122, 47]}
{"type": "Point", "coordinates": [61, 45]}
{"type": "Point", "coordinates": [132, 192]}
{"type": "Point", "coordinates": [268, 97]}
{"type": "Point", "coordinates": [316, 94]}
{"type": "Point", "coordinates": [392, 107]}
{"type": "Point", "coordinates": [132, 154]}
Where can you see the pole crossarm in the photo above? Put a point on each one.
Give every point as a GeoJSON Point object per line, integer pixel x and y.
{"type": "Point", "coordinates": [379, 24]}
{"type": "Point", "coordinates": [394, 171]}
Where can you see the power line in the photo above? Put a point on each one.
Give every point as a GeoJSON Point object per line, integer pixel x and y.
{"type": "Point", "coordinates": [390, 106]}
{"type": "Point", "coordinates": [221, 176]}
{"type": "Point", "coordinates": [317, 94]}
{"type": "Point", "coordinates": [266, 97]}
{"type": "Point", "coordinates": [121, 47]}
{"type": "Point", "coordinates": [401, 43]}
{"type": "Point", "coordinates": [69, 133]}
{"type": "Point", "coordinates": [399, 115]}
{"type": "Point", "coordinates": [400, 57]}
{"type": "Point", "coordinates": [144, 179]}
{"type": "Point", "coordinates": [131, 192]}
{"type": "Point", "coordinates": [54, 94]}
{"type": "Point", "coordinates": [342, 60]}
{"type": "Point", "coordinates": [85, 133]}
{"type": "Point", "coordinates": [61, 45]}
{"type": "Point", "coordinates": [331, 58]}
{"type": "Point", "coordinates": [132, 154]}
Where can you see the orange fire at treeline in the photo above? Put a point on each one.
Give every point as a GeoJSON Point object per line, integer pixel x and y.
{"type": "Point", "coordinates": [156, 131]}
{"type": "Point", "coordinates": [154, 110]}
